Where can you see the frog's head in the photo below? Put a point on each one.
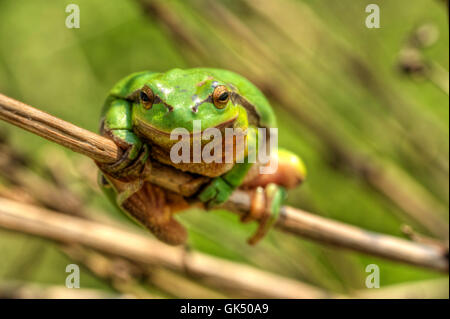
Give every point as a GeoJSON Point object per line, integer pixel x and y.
{"type": "Point", "coordinates": [172, 100]}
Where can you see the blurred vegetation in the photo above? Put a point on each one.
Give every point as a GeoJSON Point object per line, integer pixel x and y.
{"type": "Point", "coordinates": [367, 109]}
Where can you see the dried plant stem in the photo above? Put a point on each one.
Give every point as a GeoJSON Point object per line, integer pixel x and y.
{"type": "Point", "coordinates": [324, 230]}
{"type": "Point", "coordinates": [23, 290]}
{"type": "Point", "coordinates": [144, 250]}
{"type": "Point", "coordinates": [425, 289]}
{"type": "Point", "coordinates": [58, 131]}
{"type": "Point", "coordinates": [292, 220]}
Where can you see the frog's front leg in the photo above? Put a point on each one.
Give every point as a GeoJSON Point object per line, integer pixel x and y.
{"type": "Point", "coordinates": [268, 191]}
{"type": "Point", "coordinates": [117, 125]}
{"type": "Point", "coordinates": [220, 189]}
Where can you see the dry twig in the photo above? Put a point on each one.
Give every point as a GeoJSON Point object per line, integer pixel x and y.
{"type": "Point", "coordinates": [146, 251]}
{"type": "Point", "coordinates": [58, 131]}
{"type": "Point", "coordinates": [425, 289]}
{"type": "Point", "coordinates": [292, 220]}
{"type": "Point", "coordinates": [22, 290]}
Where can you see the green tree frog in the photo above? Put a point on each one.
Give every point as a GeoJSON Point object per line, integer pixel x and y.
{"type": "Point", "coordinates": [140, 114]}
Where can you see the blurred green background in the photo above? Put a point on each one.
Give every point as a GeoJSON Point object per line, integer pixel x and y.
{"type": "Point", "coordinates": [367, 109]}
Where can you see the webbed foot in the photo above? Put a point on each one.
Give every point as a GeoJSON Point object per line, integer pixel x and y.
{"type": "Point", "coordinates": [127, 167]}
{"type": "Point", "coordinates": [265, 208]}
{"type": "Point", "coordinates": [216, 193]}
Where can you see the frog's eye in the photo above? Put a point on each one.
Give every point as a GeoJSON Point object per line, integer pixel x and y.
{"type": "Point", "coordinates": [220, 96]}
{"type": "Point", "coordinates": [146, 97]}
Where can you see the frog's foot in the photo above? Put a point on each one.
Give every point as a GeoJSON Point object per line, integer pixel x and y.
{"type": "Point", "coordinates": [264, 208]}
{"type": "Point", "coordinates": [290, 172]}
{"type": "Point", "coordinates": [127, 168]}
{"type": "Point", "coordinates": [216, 193]}
{"type": "Point", "coordinates": [153, 207]}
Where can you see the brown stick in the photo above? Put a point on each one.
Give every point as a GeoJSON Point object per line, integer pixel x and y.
{"type": "Point", "coordinates": [25, 290]}
{"type": "Point", "coordinates": [142, 249]}
{"type": "Point", "coordinates": [320, 229]}
{"type": "Point", "coordinates": [424, 289]}
{"type": "Point", "coordinates": [54, 129]}
{"type": "Point", "coordinates": [339, 234]}
{"type": "Point", "coordinates": [292, 220]}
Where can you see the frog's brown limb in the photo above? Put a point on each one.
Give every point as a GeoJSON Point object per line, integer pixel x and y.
{"type": "Point", "coordinates": [286, 175]}
{"type": "Point", "coordinates": [153, 207]}
{"type": "Point", "coordinates": [267, 190]}
{"type": "Point", "coordinates": [128, 167]}
{"type": "Point", "coordinates": [264, 208]}
{"type": "Point", "coordinates": [257, 205]}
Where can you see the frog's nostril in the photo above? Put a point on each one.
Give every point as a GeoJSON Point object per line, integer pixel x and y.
{"type": "Point", "coordinates": [199, 102]}
{"type": "Point", "coordinates": [168, 106]}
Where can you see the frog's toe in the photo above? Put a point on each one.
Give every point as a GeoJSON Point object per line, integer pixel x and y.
{"type": "Point", "coordinates": [127, 168]}
{"type": "Point", "coordinates": [216, 193]}
{"type": "Point", "coordinates": [265, 208]}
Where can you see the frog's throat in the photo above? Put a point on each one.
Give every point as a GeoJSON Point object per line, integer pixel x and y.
{"type": "Point", "coordinates": [149, 130]}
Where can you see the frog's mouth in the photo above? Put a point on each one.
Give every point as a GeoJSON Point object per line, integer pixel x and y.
{"type": "Point", "coordinates": [149, 131]}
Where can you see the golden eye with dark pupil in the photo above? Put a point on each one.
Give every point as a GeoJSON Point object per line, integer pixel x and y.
{"type": "Point", "coordinates": [146, 97]}
{"type": "Point", "coordinates": [221, 96]}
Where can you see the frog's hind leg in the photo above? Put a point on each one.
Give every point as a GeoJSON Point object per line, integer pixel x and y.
{"type": "Point", "coordinates": [106, 187]}
{"type": "Point", "coordinates": [265, 206]}
{"type": "Point", "coordinates": [290, 171]}
{"type": "Point", "coordinates": [153, 207]}
{"type": "Point", "coordinates": [268, 191]}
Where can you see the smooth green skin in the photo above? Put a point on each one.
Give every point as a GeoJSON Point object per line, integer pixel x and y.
{"type": "Point", "coordinates": [123, 114]}
{"type": "Point", "coordinates": [181, 89]}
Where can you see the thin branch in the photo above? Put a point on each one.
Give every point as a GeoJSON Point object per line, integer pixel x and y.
{"type": "Point", "coordinates": [122, 274]}
{"type": "Point", "coordinates": [144, 250]}
{"type": "Point", "coordinates": [292, 220]}
{"type": "Point", "coordinates": [23, 290]}
{"type": "Point", "coordinates": [58, 131]}
{"type": "Point", "coordinates": [425, 289]}
{"type": "Point", "coordinates": [324, 230]}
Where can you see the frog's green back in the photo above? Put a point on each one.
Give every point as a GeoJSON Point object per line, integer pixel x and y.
{"type": "Point", "coordinates": [250, 92]}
